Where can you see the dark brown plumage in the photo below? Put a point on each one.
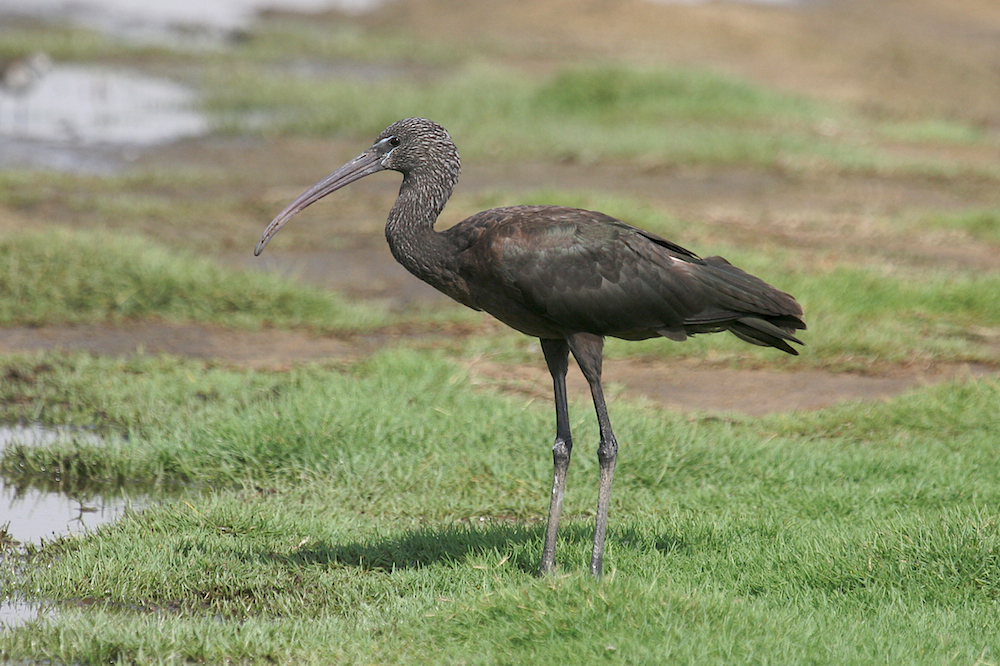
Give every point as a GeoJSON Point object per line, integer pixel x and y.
{"type": "Point", "coordinates": [569, 277]}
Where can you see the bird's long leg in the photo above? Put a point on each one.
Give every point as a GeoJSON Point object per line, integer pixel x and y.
{"type": "Point", "coordinates": [588, 350]}
{"type": "Point", "coordinates": [557, 358]}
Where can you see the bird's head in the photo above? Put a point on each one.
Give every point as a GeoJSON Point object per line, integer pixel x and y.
{"type": "Point", "coordinates": [412, 146]}
{"type": "Point", "coordinates": [417, 143]}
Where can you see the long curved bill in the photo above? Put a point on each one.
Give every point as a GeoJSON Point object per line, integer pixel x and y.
{"type": "Point", "coordinates": [363, 165]}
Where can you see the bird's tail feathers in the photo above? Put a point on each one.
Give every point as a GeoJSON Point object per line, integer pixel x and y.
{"type": "Point", "coordinates": [766, 334]}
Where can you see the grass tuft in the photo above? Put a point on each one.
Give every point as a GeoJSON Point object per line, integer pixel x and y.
{"type": "Point", "coordinates": [86, 277]}
{"type": "Point", "coordinates": [982, 225]}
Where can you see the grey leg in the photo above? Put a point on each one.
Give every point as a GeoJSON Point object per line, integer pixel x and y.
{"type": "Point", "coordinates": [588, 350]}
{"type": "Point", "coordinates": [557, 358]}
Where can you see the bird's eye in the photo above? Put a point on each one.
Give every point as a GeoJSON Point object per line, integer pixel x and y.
{"type": "Point", "coordinates": [394, 141]}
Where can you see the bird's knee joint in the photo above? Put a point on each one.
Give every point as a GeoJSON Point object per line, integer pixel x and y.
{"type": "Point", "coordinates": [562, 449]}
{"type": "Point", "coordinates": [607, 452]}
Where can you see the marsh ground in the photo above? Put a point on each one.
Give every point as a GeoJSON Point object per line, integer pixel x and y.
{"type": "Point", "coordinates": [360, 458]}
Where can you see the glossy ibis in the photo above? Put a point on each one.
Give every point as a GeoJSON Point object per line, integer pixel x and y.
{"type": "Point", "coordinates": [19, 76]}
{"type": "Point", "coordinates": [566, 276]}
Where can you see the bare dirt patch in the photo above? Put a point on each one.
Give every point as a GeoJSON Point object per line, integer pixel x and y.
{"type": "Point", "coordinates": [686, 387]}
{"type": "Point", "coordinates": [265, 348]}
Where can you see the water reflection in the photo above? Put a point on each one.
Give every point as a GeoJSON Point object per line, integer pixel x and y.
{"type": "Point", "coordinates": [31, 514]}
{"type": "Point", "coordinates": [91, 119]}
{"type": "Point", "coordinates": [15, 612]}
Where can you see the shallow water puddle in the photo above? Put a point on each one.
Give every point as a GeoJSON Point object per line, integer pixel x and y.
{"type": "Point", "coordinates": [96, 120]}
{"type": "Point", "coordinates": [32, 514]}
{"type": "Point", "coordinates": [14, 613]}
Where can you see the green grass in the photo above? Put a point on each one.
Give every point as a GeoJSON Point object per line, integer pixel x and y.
{"type": "Point", "coordinates": [278, 41]}
{"type": "Point", "coordinates": [616, 93]}
{"type": "Point", "coordinates": [345, 531]}
{"type": "Point", "coordinates": [59, 277]}
{"type": "Point", "coordinates": [982, 225]}
{"type": "Point", "coordinates": [20, 37]}
{"type": "Point", "coordinates": [934, 131]}
{"type": "Point", "coordinates": [659, 116]}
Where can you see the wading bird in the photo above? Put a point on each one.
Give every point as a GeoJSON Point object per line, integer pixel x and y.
{"type": "Point", "coordinates": [569, 277]}
{"type": "Point", "coordinates": [19, 76]}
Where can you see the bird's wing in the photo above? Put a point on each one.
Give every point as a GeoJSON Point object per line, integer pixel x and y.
{"type": "Point", "coordinates": [586, 271]}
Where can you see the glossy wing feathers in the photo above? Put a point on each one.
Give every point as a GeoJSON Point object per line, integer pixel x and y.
{"type": "Point", "coordinates": [554, 271]}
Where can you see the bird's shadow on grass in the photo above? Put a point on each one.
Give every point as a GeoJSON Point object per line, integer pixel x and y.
{"type": "Point", "coordinates": [516, 543]}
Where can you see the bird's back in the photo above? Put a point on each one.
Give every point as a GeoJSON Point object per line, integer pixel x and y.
{"type": "Point", "coordinates": [550, 271]}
